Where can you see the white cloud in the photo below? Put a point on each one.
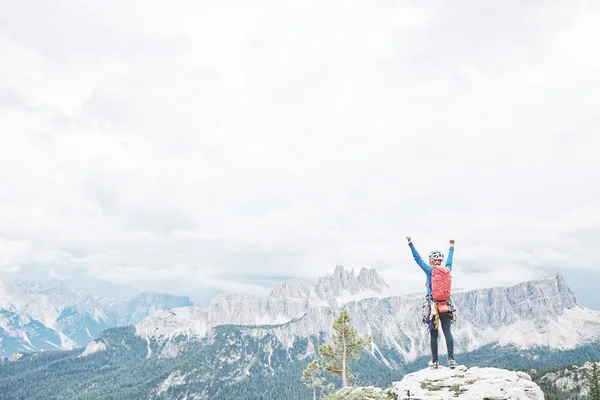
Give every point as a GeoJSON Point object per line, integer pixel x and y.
{"type": "Point", "coordinates": [183, 145]}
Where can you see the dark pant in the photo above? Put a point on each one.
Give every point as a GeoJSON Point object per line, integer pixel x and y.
{"type": "Point", "coordinates": [445, 321]}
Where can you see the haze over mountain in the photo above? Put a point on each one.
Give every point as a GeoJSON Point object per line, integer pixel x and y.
{"type": "Point", "coordinates": [38, 316]}
{"type": "Point", "coordinates": [239, 343]}
{"type": "Point", "coordinates": [208, 147]}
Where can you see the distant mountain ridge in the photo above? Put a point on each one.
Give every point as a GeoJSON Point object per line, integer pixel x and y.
{"type": "Point", "coordinates": [542, 312]}
{"type": "Point", "coordinates": [246, 347]}
{"type": "Point", "coordinates": [37, 316]}
{"type": "Point", "coordinates": [287, 301]}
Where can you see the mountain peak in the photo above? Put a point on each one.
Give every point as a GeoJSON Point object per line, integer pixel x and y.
{"type": "Point", "coordinates": [344, 286]}
{"type": "Point", "coordinates": [553, 285]}
{"type": "Point", "coordinates": [343, 281]}
{"type": "Point", "coordinates": [334, 289]}
{"type": "Point", "coordinates": [555, 277]}
{"type": "Point", "coordinates": [341, 272]}
{"type": "Point", "coordinates": [371, 279]}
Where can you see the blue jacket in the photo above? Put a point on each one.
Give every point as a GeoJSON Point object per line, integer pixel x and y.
{"type": "Point", "coordinates": [426, 267]}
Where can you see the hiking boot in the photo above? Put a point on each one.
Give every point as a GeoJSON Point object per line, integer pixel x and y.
{"type": "Point", "coordinates": [434, 364]}
{"type": "Point", "coordinates": [451, 363]}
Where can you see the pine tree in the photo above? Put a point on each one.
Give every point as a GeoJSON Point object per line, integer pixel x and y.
{"type": "Point", "coordinates": [346, 346]}
{"type": "Point", "coordinates": [594, 382]}
{"type": "Point", "coordinates": [313, 379]}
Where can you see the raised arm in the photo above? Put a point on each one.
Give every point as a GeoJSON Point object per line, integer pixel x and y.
{"type": "Point", "coordinates": [417, 257]}
{"type": "Point", "coordinates": [450, 255]}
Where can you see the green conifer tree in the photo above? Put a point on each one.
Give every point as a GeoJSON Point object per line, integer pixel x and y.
{"type": "Point", "coordinates": [594, 382]}
{"type": "Point", "coordinates": [312, 378]}
{"type": "Point", "coordinates": [346, 346]}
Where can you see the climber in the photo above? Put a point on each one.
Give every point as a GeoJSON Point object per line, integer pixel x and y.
{"type": "Point", "coordinates": [438, 308]}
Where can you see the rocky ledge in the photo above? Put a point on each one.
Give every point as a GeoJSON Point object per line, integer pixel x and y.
{"type": "Point", "coordinates": [449, 384]}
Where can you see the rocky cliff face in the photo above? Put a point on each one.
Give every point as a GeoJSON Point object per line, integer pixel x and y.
{"type": "Point", "coordinates": [290, 300]}
{"type": "Point", "coordinates": [571, 381]}
{"type": "Point", "coordinates": [542, 312]}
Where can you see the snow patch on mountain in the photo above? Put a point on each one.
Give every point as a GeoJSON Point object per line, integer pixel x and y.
{"type": "Point", "coordinates": [47, 315]}
{"type": "Point", "coordinates": [43, 302]}
{"type": "Point", "coordinates": [176, 378]}
{"type": "Point", "coordinates": [93, 347]}
{"type": "Point", "coordinates": [66, 342]}
{"type": "Point", "coordinates": [14, 356]}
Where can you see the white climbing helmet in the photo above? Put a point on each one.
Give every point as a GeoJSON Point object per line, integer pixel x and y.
{"type": "Point", "coordinates": [436, 255]}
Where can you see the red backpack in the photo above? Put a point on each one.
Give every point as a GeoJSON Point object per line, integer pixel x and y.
{"type": "Point", "coordinates": [441, 283]}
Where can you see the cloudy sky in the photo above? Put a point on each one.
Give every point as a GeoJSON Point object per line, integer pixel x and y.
{"type": "Point", "coordinates": [207, 147]}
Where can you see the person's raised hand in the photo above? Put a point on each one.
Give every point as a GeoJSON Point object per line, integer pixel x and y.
{"type": "Point", "coordinates": [451, 242]}
{"type": "Point", "coordinates": [408, 239]}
